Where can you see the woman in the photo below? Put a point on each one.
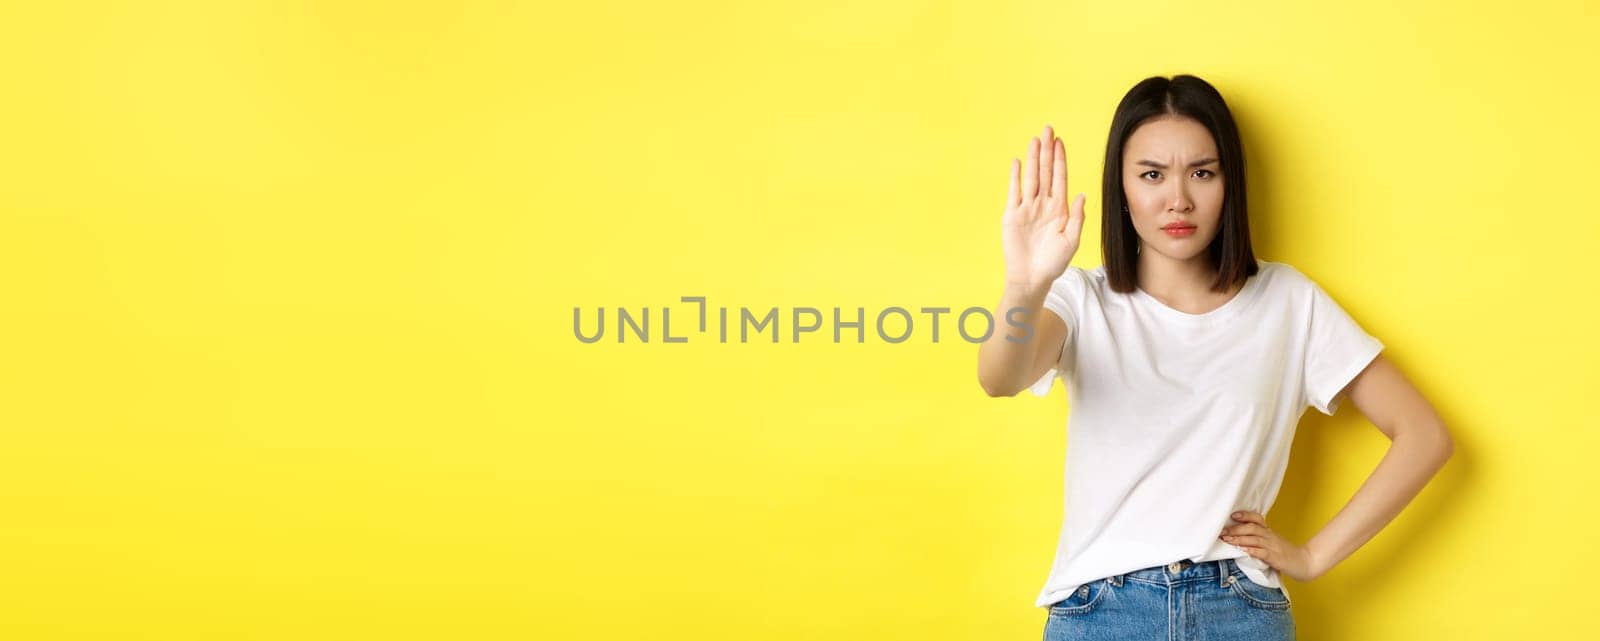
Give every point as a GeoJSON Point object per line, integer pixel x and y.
{"type": "Point", "coordinates": [1187, 363]}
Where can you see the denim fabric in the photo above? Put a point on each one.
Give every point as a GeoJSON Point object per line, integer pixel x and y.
{"type": "Point", "coordinates": [1183, 601]}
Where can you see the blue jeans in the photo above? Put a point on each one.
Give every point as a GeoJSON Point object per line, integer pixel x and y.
{"type": "Point", "coordinates": [1182, 601]}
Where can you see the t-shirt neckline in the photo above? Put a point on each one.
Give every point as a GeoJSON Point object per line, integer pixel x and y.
{"type": "Point", "coordinates": [1226, 309]}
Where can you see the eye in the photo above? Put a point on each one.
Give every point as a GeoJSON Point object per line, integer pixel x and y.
{"type": "Point", "coordinates": [1152, 171]}
{"type": "Point", "coordinates": [1208, 173]}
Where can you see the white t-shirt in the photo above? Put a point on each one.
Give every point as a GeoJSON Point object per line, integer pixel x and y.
{"type": "Point", "coordinates": [1178, 420]}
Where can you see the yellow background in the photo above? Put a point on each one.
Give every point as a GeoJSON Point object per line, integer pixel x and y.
{"type": "Point", "coordinates": [288, 347]}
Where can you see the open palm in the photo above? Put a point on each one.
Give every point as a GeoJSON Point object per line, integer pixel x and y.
{"type": "Point", "coordinates": [1038, 235]}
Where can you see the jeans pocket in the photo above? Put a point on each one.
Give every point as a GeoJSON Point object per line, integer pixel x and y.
{"type": "Point", "coordinates": [1255, 594]}
{"type": "Point", "coordinates": [1082, 600]}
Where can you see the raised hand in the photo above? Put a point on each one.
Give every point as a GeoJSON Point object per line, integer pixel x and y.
{"type": "Point", "coordinates": [1038, 235]}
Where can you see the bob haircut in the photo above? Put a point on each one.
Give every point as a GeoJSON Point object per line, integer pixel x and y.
{"type": "Point", "coordinates": [1191, 97]}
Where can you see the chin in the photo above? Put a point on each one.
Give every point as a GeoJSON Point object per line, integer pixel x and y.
{"type": "Point", "coordinates": [1180, 249]}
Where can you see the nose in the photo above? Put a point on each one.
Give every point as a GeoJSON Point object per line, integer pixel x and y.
{"type": "Point", "coordinates": [1180, 202]}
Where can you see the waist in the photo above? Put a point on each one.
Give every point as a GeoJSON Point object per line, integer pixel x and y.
{"type": "Point", "coordinates": [1183, 571]}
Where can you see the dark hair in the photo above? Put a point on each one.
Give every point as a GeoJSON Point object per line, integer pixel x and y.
{"type": "Point", "coordinates": [1188, 96]}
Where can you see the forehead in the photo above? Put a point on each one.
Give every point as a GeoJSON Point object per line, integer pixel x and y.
{"type": "Point", "coordinates": [1169, 137]}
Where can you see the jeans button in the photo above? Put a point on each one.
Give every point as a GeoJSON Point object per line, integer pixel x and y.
{"type": "Point", "coordinates": [1173, 567]}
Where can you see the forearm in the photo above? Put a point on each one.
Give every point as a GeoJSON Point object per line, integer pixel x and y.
{"type": "Point", "coordinates": [1006, 356]}
{"type": "Point", "coordinates": [1414, 456]}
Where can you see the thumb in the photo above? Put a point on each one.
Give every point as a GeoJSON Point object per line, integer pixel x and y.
{"type": "Point", "coordinates": [1073, 226]}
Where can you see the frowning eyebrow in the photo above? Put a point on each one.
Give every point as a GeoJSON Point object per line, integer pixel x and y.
{"type": "Point", "coordinates": [1197, 163]}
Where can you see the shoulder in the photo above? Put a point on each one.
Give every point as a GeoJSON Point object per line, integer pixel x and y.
{"type": "Point", "coordinates": [1293, 289]}
{"type": "Point", "coordinates": [1090, 278]}
{"type": "Point", "coordinates": [1074, 289]}
{"type": "Point", "coordinates": [1279, 271]}
{"type": "Point", "coordinates": [1078, 279]}
{"type": "Point", "coordinates": [1283, 278]}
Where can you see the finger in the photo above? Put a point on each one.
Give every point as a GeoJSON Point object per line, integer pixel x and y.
{"type": "Point", "coordinates": [1250, 528]}
{"type": "Point", "coordinates": [1249, 517]}
{"type": "Point", "coordinates": [1246, 540]}
{"type": "Point", "coordinates": [1058, 181]}
{"type": "Point", "coordinates": [1030, 174]}
{"type": "Point", "coordinates": [1014, 192]}
{"type": "Point", "coordinates": [1073, 225]}
{"type": "Point", "coordinates": [1047, 157]}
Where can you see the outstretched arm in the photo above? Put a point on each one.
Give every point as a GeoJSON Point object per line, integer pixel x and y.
{"type": "Point", "coordinates": [1039, 235]}
{"type": "Point", "coordinates": [1014, 357]}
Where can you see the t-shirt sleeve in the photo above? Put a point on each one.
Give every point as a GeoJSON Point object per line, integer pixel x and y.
{"type": "Point", "coordinates": [1336, 350]}
{"type": "Point", "coordinates": [1065, 295]}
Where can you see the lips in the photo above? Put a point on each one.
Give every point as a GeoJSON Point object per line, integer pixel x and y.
{"type": "Point", "coordinates": [1174, 226]}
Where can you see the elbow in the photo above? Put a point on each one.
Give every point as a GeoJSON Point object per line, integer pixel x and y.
{"type": "Point", "coordinates": [999, 393]}
{"type": "Point", "coordinates": [1447, 443]}
{"type": "Point", "coordinates": [993, 388]}
{"type": "Point", "coordinates": [1429, 438]}
{"type": "Point", "coordinates": [1438, 436]}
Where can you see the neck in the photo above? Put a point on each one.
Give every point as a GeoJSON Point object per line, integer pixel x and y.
{"type": "Point", "coordinates": [1176, 281]}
